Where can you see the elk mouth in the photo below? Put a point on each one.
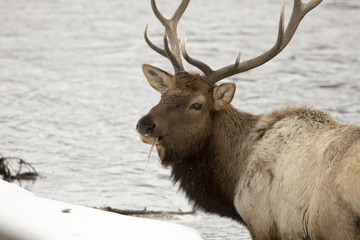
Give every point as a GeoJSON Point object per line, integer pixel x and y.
{"type": "Point", "coordinates": [151, 140]}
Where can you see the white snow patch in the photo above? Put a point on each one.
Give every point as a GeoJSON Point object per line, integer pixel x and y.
{"type": "Point", "coordinates": [27, 217]}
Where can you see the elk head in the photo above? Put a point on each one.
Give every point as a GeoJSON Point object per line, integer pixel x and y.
{"type": "Point", "coordinates": [181, 123]}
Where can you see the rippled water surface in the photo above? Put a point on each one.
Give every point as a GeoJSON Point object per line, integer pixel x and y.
{"type": "Point", "coordinates": [72, 89]}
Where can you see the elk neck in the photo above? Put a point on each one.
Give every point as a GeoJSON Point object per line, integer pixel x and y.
{"type": "Point", "coordinates": [209, 176]}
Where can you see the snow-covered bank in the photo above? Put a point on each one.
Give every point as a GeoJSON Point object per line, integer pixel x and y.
{"type": "Point", "coordinates": [27, 217]}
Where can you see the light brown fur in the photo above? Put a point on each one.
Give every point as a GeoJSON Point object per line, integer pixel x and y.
{"type": "Point", "coordinates": [303, 173]}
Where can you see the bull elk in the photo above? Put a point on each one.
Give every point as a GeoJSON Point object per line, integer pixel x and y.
{"type": "Point", "coordinates": [293, 173]}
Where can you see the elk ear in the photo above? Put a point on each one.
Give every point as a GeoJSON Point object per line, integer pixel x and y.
{"type": "Point", "coordinates": [157, 78]}
{"type": "Point", "coordinates": [223, 95]}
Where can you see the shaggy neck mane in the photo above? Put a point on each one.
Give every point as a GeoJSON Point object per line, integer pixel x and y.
{"type": "Point", "coordinates": [209, 175]}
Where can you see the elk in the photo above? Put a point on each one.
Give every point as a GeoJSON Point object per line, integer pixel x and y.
{"type": "Point", "coordinates": [293, 173]}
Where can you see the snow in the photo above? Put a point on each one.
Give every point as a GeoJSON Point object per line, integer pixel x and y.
{"type": "Point", "coordinates": [28, 217]}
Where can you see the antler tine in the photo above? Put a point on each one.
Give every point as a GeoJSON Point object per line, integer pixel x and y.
{"type": "Point", "coordinates": [153, 46]}
{"type": "Point", "coordinates": [166, 53]}
{"type": "Point", "coordinates": [175, 18]}
{"type": "Point", "coordinates": [299, 11]}
{"type": "Point", "coordinates": [308, 6]}
{"type": "Point", "coordinates": [180, 11]}
{"type": "Point", "coordinates": [160, 17]}
{"type": "Point", "coordinates": [202, 66]}
{"type": "Point", "coordinates": [171, 26]}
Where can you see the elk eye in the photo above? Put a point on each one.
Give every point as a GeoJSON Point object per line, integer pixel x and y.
{"type": "Point", "coordinates": [196, 106]}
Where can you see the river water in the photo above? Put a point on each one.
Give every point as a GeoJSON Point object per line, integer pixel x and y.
{"type": "Point", "coordinates": [72, 89]}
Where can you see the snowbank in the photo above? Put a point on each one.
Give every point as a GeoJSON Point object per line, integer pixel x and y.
{"type": "Point", "coordinates": [27, 217]}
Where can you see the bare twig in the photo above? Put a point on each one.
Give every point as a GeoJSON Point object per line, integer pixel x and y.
{"type": "Point", "coordinates": [170, 215]}
{"type": "Point", "coordinates": [23, 170]}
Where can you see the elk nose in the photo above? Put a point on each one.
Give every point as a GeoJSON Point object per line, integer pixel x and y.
{"type": "Point", "coordinates": [145, 126]}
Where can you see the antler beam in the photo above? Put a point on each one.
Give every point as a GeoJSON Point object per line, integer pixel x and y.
{"type": "Point", "coordinates": [300, 9]}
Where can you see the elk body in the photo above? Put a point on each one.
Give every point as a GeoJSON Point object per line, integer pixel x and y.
{"type": "Point", "coordinates": [293, 173]}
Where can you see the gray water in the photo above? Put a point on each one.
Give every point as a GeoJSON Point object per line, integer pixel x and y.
{"type": "Point", "coordinates": [72, 89]}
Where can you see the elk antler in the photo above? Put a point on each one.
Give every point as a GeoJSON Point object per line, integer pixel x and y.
{"type": "Point", "coordinates": [170, 32]}
{"type": "Point", "coordinates": [300, 9]}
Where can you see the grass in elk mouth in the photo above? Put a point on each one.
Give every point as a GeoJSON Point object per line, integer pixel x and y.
{"type": "Point", "coordinates": [151, 149]}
